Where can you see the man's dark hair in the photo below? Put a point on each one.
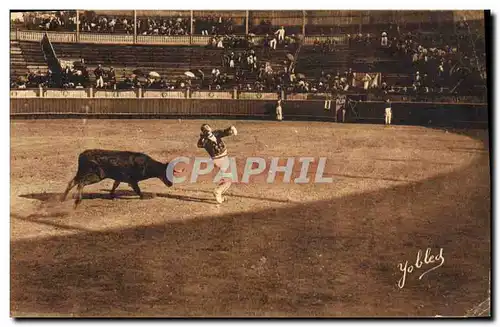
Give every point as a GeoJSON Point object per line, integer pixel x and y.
{"type": "Point", "coordinates": [204, 128]}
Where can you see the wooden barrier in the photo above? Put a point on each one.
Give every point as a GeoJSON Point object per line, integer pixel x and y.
{"type": "Point", "coordinates": [163, 39]}
{"type": "Point", "coordinates": [211, 95]}
{"type": "Point", "coordinates": [25, 93]}
{"type": "Point", "coordinates": [164, 94]}
{"type": "Point", "coordinates": [70, 37]}
{"type": "Point", "coordinates": [59, 37]}
{"type": "Point", "coordinates": [106, 38]}
{"type": "Point", "coordinates": [65, 93]}
{"type": "Point", "coordinates": [199, 40]}
{"type": "Point", "coordinates": [430, 114]}
{"type": "Point", "coordinates": [257, 96]}
{"type": "Point", "coordinates": [339, 39]}
{"type": "Point", "coordinates": [115, 94]}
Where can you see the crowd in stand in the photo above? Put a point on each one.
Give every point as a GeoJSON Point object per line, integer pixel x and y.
{"type": "Point", "coordinates": [92, 23]}
{"type": "Point", "coordinates": [164, 26]}
{"type": "Point", "coordinates": [436, 62]}
{"type": "Point", "coordinates": [33, 79]}
{"type": "Point", "coordinates": [273, 41]}
{"type": "Point", "coordinates": [212, 25]}
{"type": "Point", "coordinates": [326, 46]}
{"type": "Point", "coordinates": [231, 42]}
{"type": "Point", "coordinates": [47, 21]}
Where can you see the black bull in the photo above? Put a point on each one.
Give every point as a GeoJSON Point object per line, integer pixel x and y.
{"type": "Point", "coordinates": [121, 166]}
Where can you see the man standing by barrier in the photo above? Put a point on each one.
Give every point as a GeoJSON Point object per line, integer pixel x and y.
{"type": "Point", "coordinates": [388, 112]}
{"type": "Point", "coordinates": [212, 142]}
{"type": "Point", "coordinates": [99, 72]}
{"type": "Point", "coordinates": [340, 103]}
{"type": "Point", "coordinates": [279, 110]}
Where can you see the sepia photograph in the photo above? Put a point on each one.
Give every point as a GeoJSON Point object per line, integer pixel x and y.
{"type": "Point", "coordinates": [250, 163]}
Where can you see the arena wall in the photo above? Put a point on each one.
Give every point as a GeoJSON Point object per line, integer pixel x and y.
{"type": "Point", "coordinates": [407, 113]}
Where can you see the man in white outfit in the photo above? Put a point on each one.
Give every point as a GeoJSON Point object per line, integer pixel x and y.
{"type": "Point", "coordinates": [388, 112]}
{"type": "Point", "coordinates": [279, 110]}
{"type": "Point", "coordinates": [384, 39]}
{"type": "Point", "coordinates": [281, 34]}
{"type": "Point", "coordinates": [272, 43]}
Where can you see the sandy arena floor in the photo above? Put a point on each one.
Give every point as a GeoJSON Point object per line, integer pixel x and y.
{"type": "Point", "coordinates": [271, 250]}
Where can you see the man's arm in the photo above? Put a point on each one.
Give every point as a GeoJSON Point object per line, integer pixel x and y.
{"type": "Point", "coordinates": [201, 141]}
{"type": "Point", "coordinates": [225, 132]}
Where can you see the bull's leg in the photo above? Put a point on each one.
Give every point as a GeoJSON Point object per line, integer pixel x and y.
{"type": "Point", "coordinates": [72, 183]}
{"type": "Point", "coordinates": [78, 199]}
{"type": "Point", "coordinates": [136, 188]}
{"type": "Point", "coordinates": [86, 180]}
{"type": "Point", "coordinates": [115, 185]}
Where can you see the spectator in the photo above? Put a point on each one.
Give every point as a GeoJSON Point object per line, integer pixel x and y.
{"type": "Point", "coordinates": [388, 112]}
{"type": "Point", "coordinates": [281, 35]}
{"type": "Point", "coordinates": [366, 81]}
{"type": "Point", "coordinates": [268, 69]}
{"type": "Point", "coordinates": [272, 43]}
{"type": "Point", "coordinates": [350, 78]}
{"type": "Point", "coordinates": [417, 80]}
{"type": "Point", "coordinates": [215, 73]}
{"type": "Point", "coordinates": [266, 42]}
{"type": "Point", "coordinates": [219, 43]}
{"type": "Point", "coordinates": [111, 78]}
{"type": "Point", "coordinates": [384, 40]}
{"type": "Point", "coordinates": [279, 111]}
{"type": "Point", "coordinates": [99, 73]}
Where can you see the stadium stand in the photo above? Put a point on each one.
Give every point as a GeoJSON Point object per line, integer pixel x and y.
{"type": "Point", "coordinates": [416, 56]}
{"type": "Point", "coordinates": [26, 57]}
{"type": "Point", "coordinates": [170, 62]}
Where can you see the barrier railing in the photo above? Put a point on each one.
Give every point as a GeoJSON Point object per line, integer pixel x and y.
{"type": "Point", "coordinates": [199, 40]}
{"type": "Point", "coordinates": [60, 37]}
{"type": "Point", "coordinates": [163, 39]}
{"type": "Point", "coordinates": [105, 38]}
{"type": "Point", "coordinates": [29, 36]}
{"type": "Point", "coordinates": [69, 37]}
{"type": "Point", "coordinates": [339, 39]}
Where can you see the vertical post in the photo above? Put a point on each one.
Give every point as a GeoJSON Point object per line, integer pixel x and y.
{"type": "Point", "coordinates": [247, 15]}
{"type": "Point", "coordinates": [77, 25]}
{"type": "Point", "coordinates": [303, 23]}
{"type": "Point", "coordinates": [192, 23]}
{"type": "Point", "coordinates": [361, 20]}
{"type": "Point", "coordinates": [135, 26]}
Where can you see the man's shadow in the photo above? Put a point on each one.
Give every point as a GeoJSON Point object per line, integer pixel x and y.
{"type": "Point", "coordinates": [119, 195]}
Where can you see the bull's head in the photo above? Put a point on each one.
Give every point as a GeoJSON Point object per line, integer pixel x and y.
{"type": "Point", "coordinates": [165, 176]}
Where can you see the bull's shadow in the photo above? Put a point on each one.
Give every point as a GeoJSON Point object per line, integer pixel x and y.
{"type": "Point", "coordinates": [119, 195]}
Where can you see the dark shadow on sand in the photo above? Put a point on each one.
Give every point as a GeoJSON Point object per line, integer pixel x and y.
{"type": "Point", "coordinates": [48, 220]}
{"type": "Point", "coordinates": [119, 195]}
